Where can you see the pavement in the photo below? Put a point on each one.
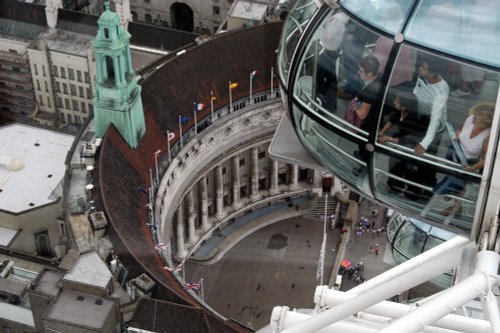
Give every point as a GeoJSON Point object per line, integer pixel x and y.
{"type": "Point", "coordinates": [278, 265]}
{"type": "Point", "coordinates": [360, 248]}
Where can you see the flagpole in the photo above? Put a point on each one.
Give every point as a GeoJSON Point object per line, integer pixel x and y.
{"type": "Point", "coordinates": [272, 79]}
{"type": "Point", "coordinates": [168, 146]}
{"type": "Point", "coordinates": [180, 131]}
{"type": "Point", "coordinates": [202, 291]}
{"type": "Point", "coordinates": [323, 245]}
{"type": "Point", "coordinates": [195, 120]}
{"type": "Point", "coordinates": [251, 79]}
{"type": "Point", "coordinates": [230, 98]}
{"type": "Point", "coordinates": [156, 165]}
{"type": "Point", "coordinates": [212, 105]}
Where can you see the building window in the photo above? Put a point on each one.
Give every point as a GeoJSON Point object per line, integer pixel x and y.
{"type": "Point", "coordinates": [48, 102]}
{"type": "Point", "coordinates": [75, 105]}
{"type": "Point", "coordinates": [216, 10]}
{"type": "Point", "coordinates": [71, 74]}
{"type": "Point", "coordinates": [16, 69]}
{"type": "Point", "coordinates": [83, 107]}
{"type": "Point", "coordinates": [43, 70]}
{"type": "Point", "coordinates": [66, 104]}
{"type": "Point", "coordinates": [147, 1]}
{"type": "Point", "coordinates": [35, 69]}
{"type": "Point", "coordinates": [106, 33]}
{"type": "Point", "coordinates": [79, 76]}
{"type": "Point", "coordinates": [73, 89]}
{"type": "Point", "coordinates": [59, 102]}
{"type": "Point", "coordinates": [40, 99]}
{"type": "Point", "coordinates": [148, 18]}
{"type": "Point", "coordinates": [262, 154]}
{"type": "Point", "coordinates": [65, 88]}
{"type": "Point", "coordinates": [87, 77]}
{"type": "Point", "coordinates": [54, 71]}
{"type": "Point", "coordinates": [134, 16]}
{"type": "Point", "coordinates": [89, 93]}
{"type": "Point", "coordinates": [91, 107]}
{"type": "Point", "coordinates": [61, 117]}
{"type": "Point", "coordinates": [63, 72]}
{"type": "Point", "coordinates": [38, 85]}
{"type": "Point", "coordinates": [58, 87]}
{"type": "Point", "coordinates": [80, 92]}
{"type": "Point", "coordinates": [46, 86]}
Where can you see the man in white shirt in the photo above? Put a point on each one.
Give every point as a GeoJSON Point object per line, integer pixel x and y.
{"type": "Point", "coordinates": [432, 94]}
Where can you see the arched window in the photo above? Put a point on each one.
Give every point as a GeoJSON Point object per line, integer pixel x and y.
{"type": "Point", "coordinates": [43, 243]}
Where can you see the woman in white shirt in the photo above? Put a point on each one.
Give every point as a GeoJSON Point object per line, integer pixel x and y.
{"type": "Point", "coordinates": [473, 139]}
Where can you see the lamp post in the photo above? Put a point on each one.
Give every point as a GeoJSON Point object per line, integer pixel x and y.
{"type": "Point", "coordinates": [252, 74]}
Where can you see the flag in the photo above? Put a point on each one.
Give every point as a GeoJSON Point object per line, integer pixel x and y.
{"type": "Point", "coordinates": [184, 119]}
{"type": "Point", "coordinates": [175, 269]}
{"type": "Point", "coordinates": [161, 247]}
{"type": "Point", "coordinates": [170, 136]}
{"type": "Point", "coordinates": [157, 152]}
{"type": "Point", "coordinates": [199, 106]}
{"type": "Point", "coordinates": [254, 73]}
{"type": "Point", "coordinates": [192, 286]}
{"type": "Point", "coordinates": [233, 85]}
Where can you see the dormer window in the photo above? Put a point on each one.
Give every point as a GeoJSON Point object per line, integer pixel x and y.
{"type": "Point", "coordinates": [106, 33]}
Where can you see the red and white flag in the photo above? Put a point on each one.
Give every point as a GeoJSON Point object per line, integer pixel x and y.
{"type": "Point", "coordinates": [171, 136]}
{"type": "Point", "coordinates": [175, 269]}
{"type": "Point", "coordinates": [192, 286]}
{"type": "Point", "coordinates": [157, 152]}
{"type": "Point", "coordinates": [161, 247]}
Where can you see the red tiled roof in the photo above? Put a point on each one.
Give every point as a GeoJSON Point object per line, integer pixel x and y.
{"type": "Point", "coordinates": [166, 94]}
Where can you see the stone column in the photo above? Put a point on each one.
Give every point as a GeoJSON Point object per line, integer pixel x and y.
{"type": "Point", "coordinates": [236, 182]}
{"type": "Point", "coordinates": [254, 181]}
{"type": "Point", "coordinates": [204, 203]}
{"type": "Point", "coordinates": [191, 226]}
{"type": "Point", "coordinates": [294, 176]}
{"type": "Point", "coordinates": [317, 182]}
{"type": "Point", "coordinates": [219, 193]}
{"type": "Point", "coordinates": [274, 177]}
{"type": "Point", "coordinates": [181, 251]}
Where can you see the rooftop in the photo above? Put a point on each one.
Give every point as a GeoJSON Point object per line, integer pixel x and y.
{"type": "Point", "coordinates": [89, 269]}
{"type": "Point", "coordinates": [31, 166]}
{"type": "Point", "coordinates": [48, 283]}
{"type": "Point", "coordinates": [249, 10]}
{"type": "Point", "coordinates": [78, 309]}
{"type": "Point", "coordinates": [66, 41]}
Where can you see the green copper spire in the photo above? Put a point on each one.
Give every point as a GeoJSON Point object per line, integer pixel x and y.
{"type": "Point", "coordinates": [117, 99]}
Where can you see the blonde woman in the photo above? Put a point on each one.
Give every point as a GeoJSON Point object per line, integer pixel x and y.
{"type": "Point", "coordinates": [473, 139]}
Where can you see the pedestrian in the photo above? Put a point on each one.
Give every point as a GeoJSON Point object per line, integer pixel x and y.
{"type": "Point", "coordinates": [379, 231]}
{"type": "Point", "coordinates": [374, 232]}
{"type": "Point", "coordinates": [358, 279]}
{"type": "Point", "coordinates": [376, 249]}
{"type": "Point", "coordinates": [370, 249]}
{"type": "Point", "coordinates": [373, 224]}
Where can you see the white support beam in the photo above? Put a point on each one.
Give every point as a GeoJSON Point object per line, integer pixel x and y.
{"type": "Point", "coordinates": [415, 271]}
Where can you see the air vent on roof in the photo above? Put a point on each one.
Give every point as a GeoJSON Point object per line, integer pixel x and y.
{"type": "Point", "coordinates": [1, 190]}
{"type": "Point", "coordinates": [99, 302]}
{"type": "Point", "coordinates": [37, 144]}
{"type": "Point", "coordinates": [49, 176]}
{"type": "Point", "coordinates": [80, 298]}
{"type": "Point", "coordinates": [31, 204]}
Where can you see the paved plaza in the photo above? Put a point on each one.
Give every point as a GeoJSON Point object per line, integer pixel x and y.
{"type": "Point", "coordinates": [277, 265]}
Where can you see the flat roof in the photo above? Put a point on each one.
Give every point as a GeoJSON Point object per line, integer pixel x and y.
{"type": "Point", "coordinates": [66, 41]}
{"type": "Point", "coordinates": [249, 10]}
{"type": "Point", "coordinates": [7, 235]}
{"type": "Point", "coordinates": [31, 166]}
{"type": "Point", "coordinates": [89, 269]}
{"type": "Point", "coordinates": [48, 283]}
{"type": "Point", "coordinates": [16, 314]}
{"type": "Point", "coordinates": [81, 309]}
